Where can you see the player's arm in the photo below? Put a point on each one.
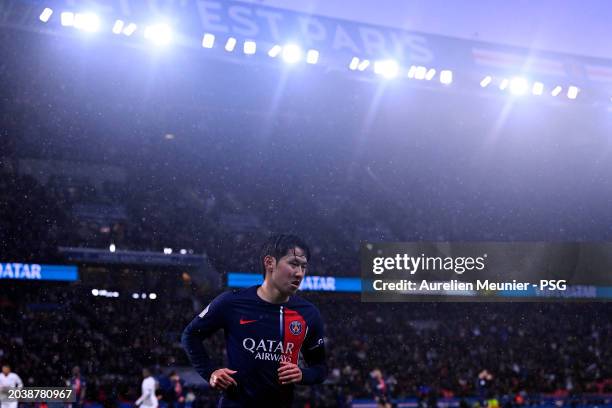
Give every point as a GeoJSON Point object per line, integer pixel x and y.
{"type": "Point", "coordinates": [201, 327]}
{"type": "Point", "coordinates": [314, 354]}
{"type": "Point", "coordinates": [19, 382]}
{"type": "Point", "coordinates": [146, 393]}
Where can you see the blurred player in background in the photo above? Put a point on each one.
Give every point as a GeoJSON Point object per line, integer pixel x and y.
{"type": "Point", "coordinates": [147, 399]}
{"type": "Point", "coordinates": [9, 380]}
{"type": "Point", "coordinates": [380, 389]}
{"type": "Point", "coordinates": [79, 386]}
{"type": "Point", "coordinates": [266, 327]}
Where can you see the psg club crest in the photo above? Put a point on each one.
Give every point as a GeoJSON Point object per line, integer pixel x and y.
{"type": "Point", "coordinates": [295, 327]}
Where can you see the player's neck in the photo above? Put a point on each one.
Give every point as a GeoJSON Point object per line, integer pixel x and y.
{"type": "Point", "coordinates": [271, 294]}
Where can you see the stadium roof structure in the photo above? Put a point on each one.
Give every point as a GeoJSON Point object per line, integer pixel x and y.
{"type": "Point", "coordinates": [251, 33]}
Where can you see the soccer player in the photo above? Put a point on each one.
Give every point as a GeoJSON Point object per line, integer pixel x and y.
{"type": "Point", "coordinates": [147, 399]}
{"type": "Point", "coordinates": [9, 380]}
{"type": "Point", "coordinates": [266, 327]}
{"type": "Point", "coordinates": [78, 385]}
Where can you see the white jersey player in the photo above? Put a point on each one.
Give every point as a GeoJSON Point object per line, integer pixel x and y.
{"type": "Point", "coordinates": [148, 399]}
{"type": "Point", "coordinates": [9, 380]}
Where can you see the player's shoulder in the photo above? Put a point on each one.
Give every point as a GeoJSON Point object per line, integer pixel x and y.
{"type": "Point", "coordinates": [304, 304]}
{"type": "Point", "coordinates": [231, 295]}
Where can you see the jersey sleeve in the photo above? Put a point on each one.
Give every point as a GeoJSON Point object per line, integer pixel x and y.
{"type": "Point", "coordinates": [201, 327]}
{"type": "Point", "coordinates": [314, 353]}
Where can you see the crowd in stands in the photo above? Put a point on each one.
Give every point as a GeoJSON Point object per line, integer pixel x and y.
{"type": "Point", "coordinates": [422, 349]}
{"type": "Point", "coordinates": [189, 170]}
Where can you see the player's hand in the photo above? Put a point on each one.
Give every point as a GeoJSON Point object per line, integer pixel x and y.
{"type": "Point", "coordinates": [221, 379]}
{"type": "Point", "coordinates": [289, 373]}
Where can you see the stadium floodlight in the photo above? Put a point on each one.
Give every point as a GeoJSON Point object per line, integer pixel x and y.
{"type": "Point", "coordinates": [208, 41]}
{"type": "Point", "coordinates": [312, 57]}
{"type": "Point", "coordinates": [152, 296]}
{"type": "Point", "coordinates": [118, 27]}
{"type": "Point", "coordinates": [183, 251]}
{"type": "Point", "coordinates": [168, 251]}
{"type": "Point", "coordinates": [230, 44]}
{"type": "Point", "coordinates": [518, 86]}
{"type": "Point", "coordinates": [431, 72]}
{"type": "Point", "coordinates": [143, 295]}
{"type": "Point", "coordinates": [412, 71]}
{"type": "Point", "coordinates": [354, 63]}
{"type": "Point", "coordinates": [292, 53]}
{"type": "Point", "coordinates": [537, 88]}
{"type": "Point", "coordinates": [572, 92]}
{"type": "Point", "coordinates": [112, 248]}
{"type": "Point", "coordinates": [67, 18]}
{"type": "Point", "coordinates": [486, 81]}
{"type": "Point", "coordinates": [45, 15]}
{"type": "Point", "coordinates": [556, 91]}
{"type": "Point", "coordinates": [386, 68]}
{"type": "Point", "coordinates": [86, 22]}
{"type": "Point", "coordinates": [158, 34]}
{"type": "Point", "coordinates": [275, 51]}
{"type": "Point", "coordinates": [95, 292]}
{"type": "Point", "coordinates": [420, 72]}
{"type": "Point", "coordinates": [135, 296]}
{"type": "Point", "coordinates": [249, 47]}
{"type": "Point", "coordinates": [446, 77]}
{"type": "Point", "coordinates": [363, 65]}
{"type": "Point", "coordinates": [130, 29]}
{"type": "Point", "coordinates": [504, 84]}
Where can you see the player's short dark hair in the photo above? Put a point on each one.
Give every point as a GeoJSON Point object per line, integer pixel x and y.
{"type": "Point", "coordinates": [278, 245]}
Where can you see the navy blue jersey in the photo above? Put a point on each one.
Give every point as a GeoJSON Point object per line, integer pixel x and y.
{"type": "Point", "coordinates": [259, 335]}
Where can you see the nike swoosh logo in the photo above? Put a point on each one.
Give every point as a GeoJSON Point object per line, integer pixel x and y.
{"type": "Point", "coordinates": [243, 321]}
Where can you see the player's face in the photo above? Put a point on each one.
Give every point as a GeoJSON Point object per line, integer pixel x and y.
{"type": "Point", "coordinates": [6, 370]}
{"type": "Point", "coordinates": [289, 271]}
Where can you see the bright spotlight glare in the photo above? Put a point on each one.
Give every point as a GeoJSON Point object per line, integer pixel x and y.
{"type": "Point", "coordinates": [118, 27]}
{"type": "Point", "coordinates": [518, 86]}
{"type": "Point", "coordinates": [572, 92]}
{"type": "Point", "coordinates": [538, 88]}
{"type": "Point", "coordinates": [292, 53]}
{"type": "Point", "coordinates": [86, 22]}
{"type": "Point", "coordinates": [430, 74]}
{"type": "Point", "coordinates": [159, 34]}
{"type": "Point", "coordinates": [420, 72]}
{"type": "Point", "coordinates": [446, 76]}
{"type": "Point", "coordinates": [486, 81]}
{"type": "Point", "coordinates": [152, 296]}
{"type": "Point", "coordinates": [230, 44]}
{"type": "Point", "coordinates": [129, 30]}
{"type": "Point", "coordinates": [143, 295]}
{"type": "Point", "coordinates": [67, 19]}
{"type": "Point", "coordinates": [412, 71]}
{"type": "Point", "coordinates": [354, 63]}
{"type": "Point", "coordinates": [95, 292]}
{"type": "Point", "coordinates": [250, 47]}
{"type": "Point", "coordinates": [112, 247]}
{"type": "Point", "coordinates": [504, 84]}
{"type": "Point", "coordinates": [208, 40]}
{"type": "Point", "coordinates": [556, 91]}
{"type": "Point", "coordinates": [312, 56]}
{"type": "Point", "coordinates": [167, 251]}
{"type": "Point", "coordinates": [386, 68]}
{"type": "Point", "coordinates": [363, 65]}
{"type": "Point", "coordinates": [274, 51]}
{"type": "Point", "coordinates": [134, 295]}
{"type": "Point", "coordinates": [183, 251]}
{"type": "Point", "coordinates": [45, 15]}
